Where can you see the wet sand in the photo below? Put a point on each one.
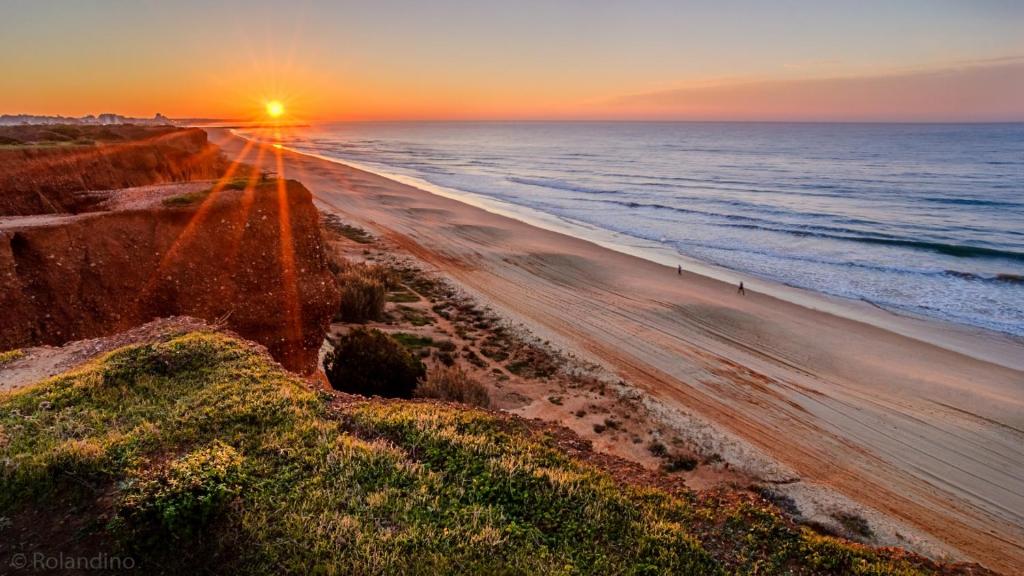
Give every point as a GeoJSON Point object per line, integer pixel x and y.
{"type": "Point", "coordinates": [931, 437]}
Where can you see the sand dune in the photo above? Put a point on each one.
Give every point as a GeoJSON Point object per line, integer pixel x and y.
{"type": "Point", "coordinates": [932, 437]}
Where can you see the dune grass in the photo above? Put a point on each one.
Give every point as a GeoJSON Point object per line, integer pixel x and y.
{"type": "Point", "coordinates": [9, 356]}
{"type": "Point", "coordinates": [200, 453]}
{"type": "Point", "coordinates": [186, 199]}
{"type": "Point", "coordinates": [190, 198]}
{"type": "Point", "coordinates": [451, 383]}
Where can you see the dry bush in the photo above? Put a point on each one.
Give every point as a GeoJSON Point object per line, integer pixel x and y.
{"type": "Point", "coordinates": [379, 272]}
{"type": "Point", "coordinates": [453, 384]}
{"type": "Point", "coordinates": [363, 296]}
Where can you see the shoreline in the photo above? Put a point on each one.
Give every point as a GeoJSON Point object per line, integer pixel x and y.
{"type": "Point", "coordinates": [913, 430]}
{"type": "Point", "coordinates": [975, 341]}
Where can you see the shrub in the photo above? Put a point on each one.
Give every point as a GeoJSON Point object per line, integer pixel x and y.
{"type": "Point", "coordinates": [52, 136]}
{"type": "Point", "coordinates": [452, 383]}
{"type": "Point", "coordinates": [362, 299]}
{"type": "Point", "coordinates": [675, 463]}
{"type": "Point", "coordinates": [363, 294]}
{"type": "Point", "coordinates": [379, 272]}
{"type": "Point", "coordinates": [67, 130]}
{"type": "Point", "coordinates": [657, 449]}
{"type": "Point", "coordinates": [854, 524]}
{"type": "Point", "coordinates": [371, 363]}
{"type": "Point", "coordinates": [354, 233]}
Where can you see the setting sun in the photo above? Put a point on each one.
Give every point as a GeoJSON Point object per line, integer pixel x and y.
{"type": "Point", "coordinates": [275, 108]}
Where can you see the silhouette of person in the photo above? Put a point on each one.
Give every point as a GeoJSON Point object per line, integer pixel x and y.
{"type": "Point", "coordinates": [680, 271]}
{"type": "Point", "coordinates": [741, 290]}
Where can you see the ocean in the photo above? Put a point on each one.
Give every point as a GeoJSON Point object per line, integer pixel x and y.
{"type": "Point", "coordinates": [925, 219]}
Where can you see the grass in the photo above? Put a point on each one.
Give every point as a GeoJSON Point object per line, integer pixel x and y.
{"type": "Point", "coordinates": [199, 453]}
{"type": "Point", "coordinates": [451, 383]}
{"type": "Point", "coordinates": [190, 198]}
{"type": "Point", "coordinates": [34, 145]}
{"type": "Point", "coordinates": [403, 296]}
{"type": "Point", "coordinates": [187, 199]}
{"type": "Point", "coordinates": [10, 356]}
{"type": "Point", "coordinates": [354, 233]}
{"type": "Point", "coordinates": [414, 316]}
{"type": "Point", "coordinates": [413, 341]}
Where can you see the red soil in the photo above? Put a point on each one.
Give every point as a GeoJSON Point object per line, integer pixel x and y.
{"type": "Point", "coordinates": [47, 179]}
{"type": "Point", "coordinates": [234, 255]}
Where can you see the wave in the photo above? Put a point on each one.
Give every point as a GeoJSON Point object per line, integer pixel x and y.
{"type": "Point", "coordinates": [1001, 278]}
{"type": "Point", "coordinates": [876, 215]}
{"type": "Point", "coordinates": [559, 185]}
{"type": "Point", "coordinates": [1004, 278]}
{"type": "Point", "coordinates": [956, 250]}
{"type": "Point", "coordinates": [754, 223]}
{"type": "Point", "coordinates": [974, 202]}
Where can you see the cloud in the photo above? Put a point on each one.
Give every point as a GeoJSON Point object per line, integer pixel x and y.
{"type": "Point", "coordinates": [976, 91]}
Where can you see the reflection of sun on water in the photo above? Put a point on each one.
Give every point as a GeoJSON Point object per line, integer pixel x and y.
{"type": "Point", "coordinates": [275, 108]}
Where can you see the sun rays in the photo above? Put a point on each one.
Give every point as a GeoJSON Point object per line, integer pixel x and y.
{"type": "Point", "coordinates": [289, 276]}
{"type": "Point", "coordinates": [234, 228]}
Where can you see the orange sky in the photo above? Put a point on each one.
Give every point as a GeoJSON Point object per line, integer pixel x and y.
{"type": "Point", "coordinates": [921, 60]}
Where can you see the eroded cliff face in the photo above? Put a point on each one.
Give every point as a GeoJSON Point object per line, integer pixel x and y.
{"type": "Point", "coordinates": [251, 258]}
{"type": "Point", "coordinates": [47, 179]}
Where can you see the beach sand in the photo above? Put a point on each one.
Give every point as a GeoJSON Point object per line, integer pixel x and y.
{"type": "Point", "coordinates": [823, 407]}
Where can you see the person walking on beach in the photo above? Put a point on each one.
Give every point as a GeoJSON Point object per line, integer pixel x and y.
{"type": "Point", "coordinates": [680, 271]}
{"type": "Point", "coordinates": [740, 290]}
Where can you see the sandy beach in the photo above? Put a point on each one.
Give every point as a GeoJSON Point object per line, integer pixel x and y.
{"type": "Point", "coordinates": [926, 433]}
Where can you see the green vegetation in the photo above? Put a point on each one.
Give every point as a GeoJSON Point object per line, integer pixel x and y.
{"type": "Point", "coordinates": [403, 296]}
{"type": "Point", "coordinates": [233, 184]}
{"type": "Point", "coordinates": [10, 356]}
{"type": "Point", "coordinates": [53, 135]}
{"type": "Point", "coordinates": [199, 454]}
{"type": "Point", "coordinates": [414, 316]}
{"type": "Point", "coordinates": [413, 341]}
{"type": "Point", "coordinates": [186, 199]}
{"type": "Point", "coordinates": [371, 363]}
{"type": "Point", "coordinates": [190, 198]}
{"type": "Point", "coordinates": [451, 383]}
{"type": "Point", "coordinates": [187, 494]}
{"type": "Point", "coordinates": [354, 233]}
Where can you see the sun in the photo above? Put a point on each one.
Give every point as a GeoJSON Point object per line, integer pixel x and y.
{"type": "Point", "coordinates": [275, 108]}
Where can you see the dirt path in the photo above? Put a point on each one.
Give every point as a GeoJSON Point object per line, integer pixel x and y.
{"type": "Point", "coordinates": [38, 363]}
{"type": "Point", "coordinates": [924, 435]}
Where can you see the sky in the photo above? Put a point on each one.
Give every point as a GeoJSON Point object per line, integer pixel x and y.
{"type": "Point", "coordinates": [907, 60]}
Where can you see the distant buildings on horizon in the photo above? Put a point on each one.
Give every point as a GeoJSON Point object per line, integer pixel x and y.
{"type": "Point", "coordinates": [100, 120]}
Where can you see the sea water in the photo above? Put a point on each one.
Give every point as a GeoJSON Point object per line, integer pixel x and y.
{"type": "Point", "coordinates": [926, 219]}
